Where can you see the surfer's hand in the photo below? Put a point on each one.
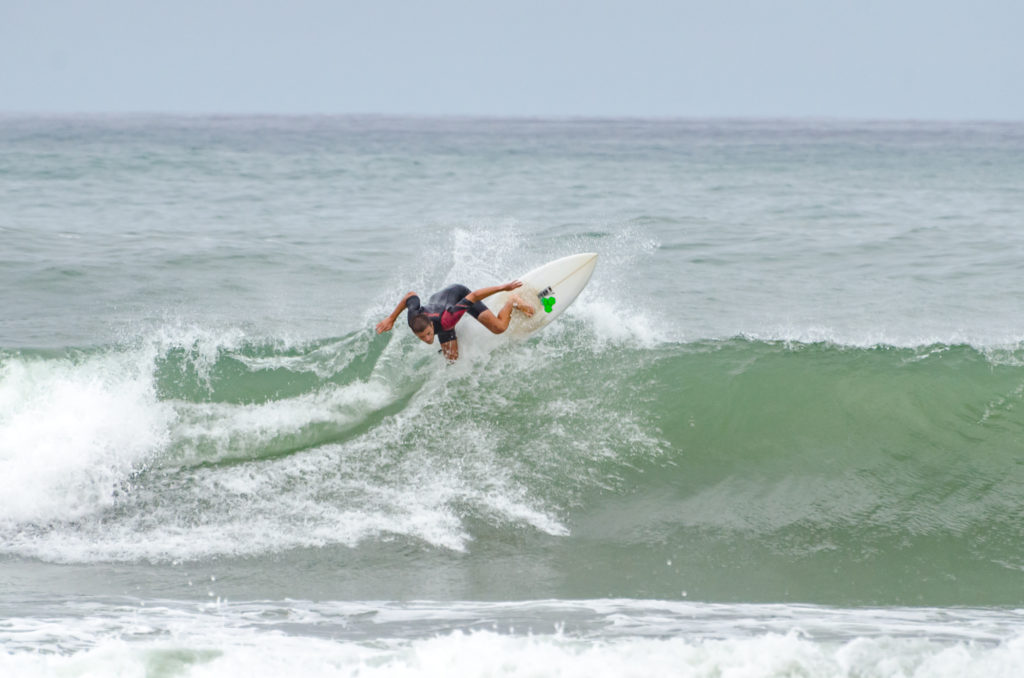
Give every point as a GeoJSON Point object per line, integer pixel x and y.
{"type": "Point", "coordinates": [385, 325]}
{"type": "Point", "coordinates": [508, 287]}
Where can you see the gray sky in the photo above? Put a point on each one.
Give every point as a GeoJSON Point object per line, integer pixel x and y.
{"type": "Point", "coordinates": [842, 58]}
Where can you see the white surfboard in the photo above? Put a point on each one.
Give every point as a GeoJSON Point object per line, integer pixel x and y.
{"type": "Point", "coordinates": [550, 289]}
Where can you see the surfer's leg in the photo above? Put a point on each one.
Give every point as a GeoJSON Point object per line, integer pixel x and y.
{"type": "Point", "coordinates": [496, 323]}
{"type": "Point", "coordinates": [499, 323]}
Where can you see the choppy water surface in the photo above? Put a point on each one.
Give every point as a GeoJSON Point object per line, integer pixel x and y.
{"type": "Point", "coordinates": [778, 434]}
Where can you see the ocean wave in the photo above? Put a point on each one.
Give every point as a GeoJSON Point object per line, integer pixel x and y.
{"type": "Point", "coordinates": [807, 457]}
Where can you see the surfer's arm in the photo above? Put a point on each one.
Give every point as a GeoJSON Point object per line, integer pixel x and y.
{"type": "Point", "coordinates": [450, 349]}
{"type": "Point", "coordinates": [484, 292]}
{"type": "Point", "coordinates": [389, 322]}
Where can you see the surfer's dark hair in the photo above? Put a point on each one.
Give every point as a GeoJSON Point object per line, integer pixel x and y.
{"type": "Point", "coordinates": [419, 323]}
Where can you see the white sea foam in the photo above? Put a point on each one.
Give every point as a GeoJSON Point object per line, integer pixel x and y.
{"type": "Point", "coordinates": [212, 431]}
{"type": "Point", "coordinates": [72, 430]}
{"type": "Point", "coordinates": [71, 502]}
{"type": "Point", "coordinates": [434, 639]}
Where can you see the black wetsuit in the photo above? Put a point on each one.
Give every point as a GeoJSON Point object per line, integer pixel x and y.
{"type": "Point", "coordinates": [445, 309]}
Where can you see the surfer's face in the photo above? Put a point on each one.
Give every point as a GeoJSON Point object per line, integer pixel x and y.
{"type": "Point", "coordinates": [427, 334]}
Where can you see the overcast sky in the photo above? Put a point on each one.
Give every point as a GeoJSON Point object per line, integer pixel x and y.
{"type": "Point", "coordinates": [944, 59]}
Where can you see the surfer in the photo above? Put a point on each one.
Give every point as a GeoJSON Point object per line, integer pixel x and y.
{"type": "Point", "coordinates": [444, 309]}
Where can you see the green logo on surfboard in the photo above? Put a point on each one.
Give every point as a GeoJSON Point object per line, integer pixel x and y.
{"type": "Point", "coordinates": [548, 302]}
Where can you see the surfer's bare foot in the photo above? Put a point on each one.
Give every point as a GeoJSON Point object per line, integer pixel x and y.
{"type": "Point", "coordinates": [517, 302]}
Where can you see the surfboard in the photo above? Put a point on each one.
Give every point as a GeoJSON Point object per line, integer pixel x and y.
{"type": "Point", "coordinates": [550, 289]}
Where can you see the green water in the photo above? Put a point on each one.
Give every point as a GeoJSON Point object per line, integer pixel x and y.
{"type": "Point", "coordinates": [795, 379]}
